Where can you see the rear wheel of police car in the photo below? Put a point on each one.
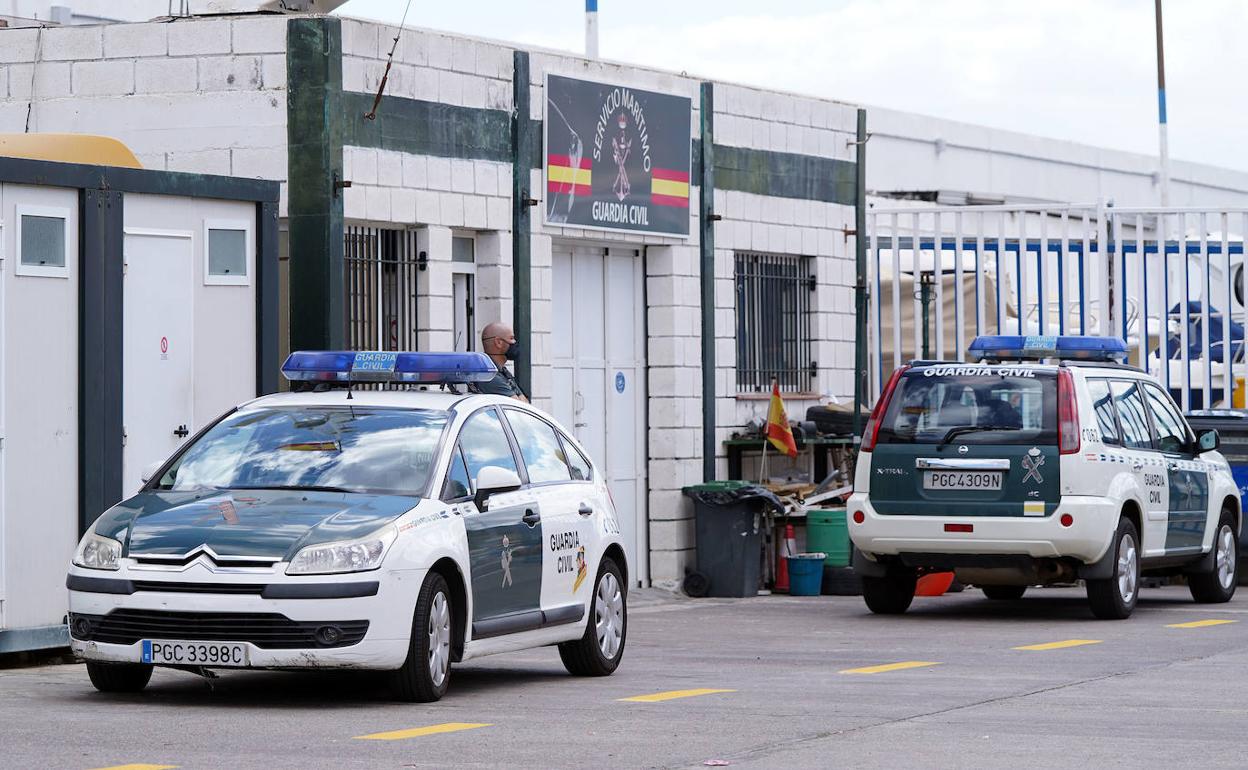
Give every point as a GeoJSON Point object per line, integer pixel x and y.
{"type": "Point", "coordinates": [118, 677]}
{"type": "Point", "coordinates": [1114, 597]}
{"type": "Point", "coordinates": [600, 648]}
{"type": "Point", "coordinates": [1218, 584]}
{"type": "Point", "coordinates": [426, 673]}
{"type": "Point", "coordinates": [891, 594]}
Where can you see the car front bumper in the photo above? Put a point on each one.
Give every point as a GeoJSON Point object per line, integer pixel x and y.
{"type": "Point", "coordinates": [1087, 538]}
{"type": "Point", "coordinates": [384, 645]}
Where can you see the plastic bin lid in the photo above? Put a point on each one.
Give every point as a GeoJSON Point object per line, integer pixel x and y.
{"type": "Point", "coordinates": [730, 485]}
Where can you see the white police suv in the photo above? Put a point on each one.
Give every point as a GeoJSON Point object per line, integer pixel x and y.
{"type": "Point", "coordinates": [401, 529]}
{"type": "Point", "coordinates": [1015, 472]}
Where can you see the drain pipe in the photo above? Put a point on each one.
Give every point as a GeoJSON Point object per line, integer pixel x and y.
{"type": "Point", "coordinates": [860, 275]}
{"type": "Point", "coordinates": [706, 246]}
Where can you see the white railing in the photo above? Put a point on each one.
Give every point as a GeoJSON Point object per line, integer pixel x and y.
{"type": "Point", "coordinates": [1065, 269]}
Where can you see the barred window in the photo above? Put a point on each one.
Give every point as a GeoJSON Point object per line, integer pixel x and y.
{"type": "Point", "coordinates": [773, 322]}
{"type": "Point", "coordinates": [380, 267]}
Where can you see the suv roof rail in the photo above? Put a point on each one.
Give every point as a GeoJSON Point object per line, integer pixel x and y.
{"type": "Point", "coordinates": [1102, 365]}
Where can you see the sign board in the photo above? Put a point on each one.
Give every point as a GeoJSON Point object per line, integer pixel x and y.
{"type": "Point", "coordinates": [617, 157]}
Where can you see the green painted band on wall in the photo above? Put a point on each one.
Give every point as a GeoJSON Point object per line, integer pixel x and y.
{"type": "Point", "coordinates": [422, 127]}
{"type": "Point", "coordinates": [428, 128]}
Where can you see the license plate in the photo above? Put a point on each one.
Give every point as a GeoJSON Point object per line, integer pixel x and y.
{"type": "Point", "coordinates": [986, 480]}
{"type": "Point", "coordinates": [226, 654]}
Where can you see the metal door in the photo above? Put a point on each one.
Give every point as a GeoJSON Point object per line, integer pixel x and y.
{"type": "Point", "coordinates": [158, 356]}
{"type": "Point", "coordinates": [598, 344]}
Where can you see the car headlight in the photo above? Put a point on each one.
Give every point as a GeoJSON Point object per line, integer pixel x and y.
{"type": "Point", "coordinates": [98, 552]}
{"type": "Point", "coordinates": [344, 556]}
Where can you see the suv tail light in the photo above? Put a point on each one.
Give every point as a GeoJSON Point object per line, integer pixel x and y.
{"type": "Point", "coordinates": [1067, 414]}
{"type": "Point", "coordinates": [877, 414]}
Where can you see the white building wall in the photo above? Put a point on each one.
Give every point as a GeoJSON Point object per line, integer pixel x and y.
{"type": "Point", "coordinates": [196, 94]}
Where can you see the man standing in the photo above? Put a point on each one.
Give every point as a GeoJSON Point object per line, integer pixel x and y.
{"type": "Point", "coordinates": [498, 341]}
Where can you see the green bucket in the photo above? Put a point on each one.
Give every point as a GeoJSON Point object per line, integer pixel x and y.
{"type": "Point", "coordinates": [826, 531]}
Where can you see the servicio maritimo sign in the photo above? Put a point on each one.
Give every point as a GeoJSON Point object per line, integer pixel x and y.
{"type": "Point", "coordinates": [617, 158]}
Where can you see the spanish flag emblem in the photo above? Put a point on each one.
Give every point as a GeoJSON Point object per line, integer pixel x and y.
{"type": "Point", "coordinates": [567, 175]}
{"type": "Point", "coordinates": [778, 431]}
{"type": "Point", "coordinates": [669, 188]}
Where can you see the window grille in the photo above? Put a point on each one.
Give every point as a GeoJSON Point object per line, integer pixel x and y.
{"type": "Point", "coordinates": [380, 267]}
{"type": "Point", "coordinates": [774, 295]}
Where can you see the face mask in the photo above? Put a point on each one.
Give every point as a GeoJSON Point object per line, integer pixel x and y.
{"type": "Point", "coordinates": [512, 351]}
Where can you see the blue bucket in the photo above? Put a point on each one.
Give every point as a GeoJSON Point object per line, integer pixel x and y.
{"type": "Point", "coordinates": [806, 573]}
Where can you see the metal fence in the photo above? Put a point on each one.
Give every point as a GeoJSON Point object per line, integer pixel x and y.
{"type": "Point", "coordinates": [380, 268]}
{"type": "Point", "coordinates": [938, 276]}
{"type": "Point", "coordinates": [773, 322]}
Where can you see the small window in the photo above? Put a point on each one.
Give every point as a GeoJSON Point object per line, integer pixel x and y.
{"type": "Point", "coordinates": [1131, 415]}
{"type": "Point", "coordinates": [774, 295]}
{"type": "Point", "coordinates": [539, 446]}
{"type": "Point", "coordinates": [42, 241]}
{"type": "Point", "coordinates": [457, 483]}
{"type": "Point", "coordinates": [1106, 415]}
{"type": "Point", "coordinates": [483, 443]}
{"type": "Point", "coordinates": [463, 249]}
{"type": "Point", "coordinates": [227, 247]}
{"type": "Point", "coordinates": [1171, 432]}
{"type": "Point", "coordinates": [577, 464]}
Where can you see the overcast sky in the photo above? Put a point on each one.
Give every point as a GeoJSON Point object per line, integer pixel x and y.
{"type": "Point", "coordinates": [1083, 70]}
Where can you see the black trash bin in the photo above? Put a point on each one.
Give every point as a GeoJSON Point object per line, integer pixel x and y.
{"type": "Point", "coordinates": [1232, 428]}
{"type": "Point", "coordinates": [728, 524]}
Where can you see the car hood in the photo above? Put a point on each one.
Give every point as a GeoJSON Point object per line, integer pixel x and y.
{"type": "Point", "coordinates": [251, 523]}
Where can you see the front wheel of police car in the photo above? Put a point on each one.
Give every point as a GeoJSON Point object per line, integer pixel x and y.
{"type": "Point", "coordinates": [599, 650]}
{"type": "Point", "coordinates": [119, 677]}
{"type": "Point", "coordinates": [1218, 584]}
{"type": "Point", "coordinates": [426, 673]}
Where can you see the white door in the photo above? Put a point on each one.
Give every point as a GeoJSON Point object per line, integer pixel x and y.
{"type": "Point", "coordinates": [158, 357]}
{"type": "Point", "coordinates": [463, 298]}
{"type": "Point", "coordinates": [598, 346]}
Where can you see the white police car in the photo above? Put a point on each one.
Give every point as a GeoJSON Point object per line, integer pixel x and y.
{"type": "Point", "coordinates": [1014, 472]}
{"type": "Point", "coordinates": [401, 530]}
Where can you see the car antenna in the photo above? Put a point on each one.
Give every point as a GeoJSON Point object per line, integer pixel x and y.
{"type": "Point", "coordinates": [372, 114]}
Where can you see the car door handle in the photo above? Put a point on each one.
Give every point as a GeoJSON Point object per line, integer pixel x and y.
{"type": "Point", "coordinates": [531, 517]}
{"type": "Point", "coordinates": [1172, 467]}
{"type": "Point", "coordinates": [1137, 466]}
{"type": "Point", "coordinates": [181, 431]}
{"type": "Point", "coordinates": [585, 510]}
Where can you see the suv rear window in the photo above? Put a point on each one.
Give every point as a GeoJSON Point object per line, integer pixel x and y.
{"type": "Point", "coordinates": [973, 404]}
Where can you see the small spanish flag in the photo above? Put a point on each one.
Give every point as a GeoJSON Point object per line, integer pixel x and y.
{"type": "Point", "coordinates": [567, 175]}
{"type": "Point", "coordinates": [669, 188]}
{"type": "Point", "coordinates": [778, 431]}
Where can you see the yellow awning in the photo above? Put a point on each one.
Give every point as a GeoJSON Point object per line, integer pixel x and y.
{"type": "Point", "coordinates": [69, 148]}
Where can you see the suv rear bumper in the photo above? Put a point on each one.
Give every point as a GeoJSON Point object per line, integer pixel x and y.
{"type": "Point", "coordinates": [1085, 540]}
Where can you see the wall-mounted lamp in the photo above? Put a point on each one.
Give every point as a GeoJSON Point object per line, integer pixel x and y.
{"type": "Point", "coordinates": [422, 261]}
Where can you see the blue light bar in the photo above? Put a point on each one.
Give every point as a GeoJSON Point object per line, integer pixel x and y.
{"type": "Point", "coordinates": [387, 366]}
{"type": "Point", "coordinates": [1073, 346]}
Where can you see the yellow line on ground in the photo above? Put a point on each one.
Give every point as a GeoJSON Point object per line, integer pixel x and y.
{"type": "Point", "coordinates": [138, 766]}
{"type": "Point", "coordinates": [890, 667]}
{"type": "Point", "coordinates": [1059, 645]}
{"type": "Point", "coordinates": [416, 732]}
{"type": "Point", "coordinates": [671, 695]}
{"type": "Point", "coordinates": [1201, 623]}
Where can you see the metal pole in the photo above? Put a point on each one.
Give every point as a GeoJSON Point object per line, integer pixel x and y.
{"type": "Point", "coordinates": [925, 298]}
{"type": "Point", "coordinates": [706, 243]}
{"type": "Point", "coordinates": [591, 29]}
{"type": "Point", "coordinates": [521, 264]}
{"type": "Point", "coordinates": [1161, 112]}
{"type": "Point", "coordinates": [860, 273]}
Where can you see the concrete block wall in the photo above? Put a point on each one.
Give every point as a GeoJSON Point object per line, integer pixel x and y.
{"type": "Point", "coordinates": [205, 95]}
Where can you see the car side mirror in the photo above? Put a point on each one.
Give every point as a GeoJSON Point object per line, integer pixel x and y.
{"type": "Point", "coordinates": [492, 480]}
{"type": "Point", "coordinates": [1208, 440]}
{"type": "Point", "coordinates": [149, 471]}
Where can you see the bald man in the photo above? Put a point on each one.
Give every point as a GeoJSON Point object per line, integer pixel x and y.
{"type": "Point", "coordinates": [498, 341]}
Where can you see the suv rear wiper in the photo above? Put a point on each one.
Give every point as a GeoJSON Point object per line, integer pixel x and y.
{"type": "Point", "coordinates": [971, 429]}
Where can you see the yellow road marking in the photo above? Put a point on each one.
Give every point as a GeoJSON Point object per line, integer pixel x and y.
{"type": "Point", "coordinates": [138, 766]}
{"type": "Point", "coordinates": [890, 667]}
{"type": "Point", "coordinates": [671, 695]}
{"type": "Point", "coordinates": [416, 732]}
{"type": "Point", "coordinates": [1059, 645]}
{"type": "Point", "coordinates": [1201, 623]}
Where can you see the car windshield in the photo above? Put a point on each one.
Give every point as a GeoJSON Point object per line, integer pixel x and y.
{"type": "Point", "coordinates": [972, 404]}
{"type": "Point", "coordinates": [342, 449]}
